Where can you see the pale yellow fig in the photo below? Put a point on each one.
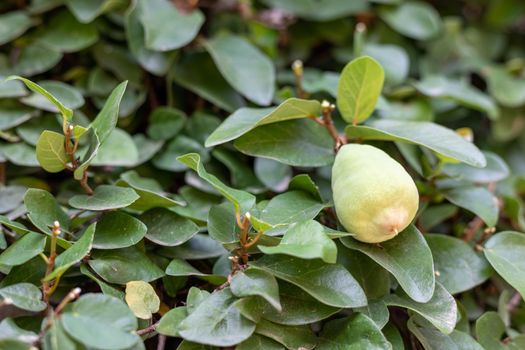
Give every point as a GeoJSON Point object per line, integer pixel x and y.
{"type": "Point", "coordinates": [375, 198]}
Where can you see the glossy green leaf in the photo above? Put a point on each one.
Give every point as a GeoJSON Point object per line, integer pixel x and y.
{"type": "Point", "coordinates": [417, 279]}
{"type": "Point", "coordinates": [449, 253]}
{"type": "Point", "coordinates": [166, 28]}
{"type": "Point", "coordinates": [178, 146]}
{"type": "Point", "coordinates": [489, 330]}
{"type": "Point", "coordinates": [222, 225]}
{"type": "Point", "coordinates": [305, 240]}
{"type": "Point", "coordinates": [359, 88]}
{"type": "Point", "coordinates": [105, 197]}
{"type": "Point", "coordinates": [246, 119]}
{"type": "Point", "coordinates": [142, 299]}
{"type": "Point", "coordinates": [433, 136]}
{"type": "Point", "coordinates": [355, 332]}
{"type": "Point", "coordinates": [246, 68]}
{"type": "Point", "coordinates": [43, 210]}
{"type": "Point", "coordinates": [166, 228]}
{"type": "Point", "coordinates": [297, 143]}
{"type": "Point", "coordinates": [432, 338]}
{"type": "Point", "coordinates": [35, 59]}
{"type": "Point", "coordinates": [331, 284]}
{"type": "Point", "coordinates": [508, 90]}
{"type": "Point", "coordinates": [165, 123]}
{"type": "Point", "coordinates": [123, 265]}
{"type": "Point", "coordinates": [440, 310]}
{"type": "Point", "coordinates": [478, 200]}
{"type": "Point", "coordinates": [118, 230]}
{"type": "Point", "coordinates": [394, 60]}
{"type": "Point", "coordinates": [24, 249]}
{"type": "Point", "coordinates": [414, 19]}
{"type": "Point", "coordinates": [503, 251]}
{"type": "Point", "coordinates": [257, 342]}
{"type": "Point", "coordinates": [50, 151]}
{"type": "Point", "coordinates": [216, 322]}
{"type": "Point", "coordinates": [170, 321]}
{"type": "Point", "coordinates": [242, 201]}
{"type": "Point", "coordinates": [13, 117]}
{"type": "Point", "coordinates": [118, 149]}
{"type": "Point", "coordinates": [256, 282]}
{"type": "Point", "coordinates": [86, 12]}
{"type": "Point", "coordinates": [101, 321]}
{"type": "Point", "coordinates": [25, 296]}
{"type": "Point", "coordinates": [495, 170]}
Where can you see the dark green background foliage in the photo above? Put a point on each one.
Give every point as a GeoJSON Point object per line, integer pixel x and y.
{"type": "Point", "coordinates": [211, 223]}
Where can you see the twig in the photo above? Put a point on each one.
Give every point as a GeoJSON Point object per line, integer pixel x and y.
{"type": "Point", "coordinates": [514, 302]}
{"type": "Point", "coordinates": [2, 173]}
{"type": "Point", "coordinates": [297, 68]}
{"type": "Point", "coordinates": [149, 329]}
{"type": "Point", "coordinates": [84, 183]}
{"type": "Point", "coordinates": [326, 110]}
{"type": "Point", "coordinates": [72, 295]}
{"type": "Point", "coordinates": [46, 287]}
{"type": "Point", "coordinates": [161, 344]}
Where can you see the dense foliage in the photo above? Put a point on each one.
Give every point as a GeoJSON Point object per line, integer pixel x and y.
{"type": "Point", "coordinates": [166, 166]}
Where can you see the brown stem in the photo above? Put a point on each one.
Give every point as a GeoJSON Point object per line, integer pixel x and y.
{"type": "Point", "coordinates": [161, 344]}
{"type": "Point", "coordinates": [72, 295]}
{"type": "Point", "coordinates": [253, 240]}
{"type": "Point", "coordinates": [477, 223]}
{"type": "Point", "coordinates": [326, 110]}
{"type": "Point", "coordinates": [149, 329]}
{"type": "Point", "coordinates": [85, 185]}
{"type": "Point", "coordinates": [514, 302]}
{"type": "Point", "coordinates": [46, 286]}
{"type": "Point", "coordinates": [2, 173]}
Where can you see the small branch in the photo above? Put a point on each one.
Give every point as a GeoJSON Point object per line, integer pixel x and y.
{"type": "Point", "coordinates": [326, 110]}
{"type": "Point", "coordinates": [161, 344]}
{"type": "Point", "coordinates": [2, 173]}
{"type": "Point", "coordinates": [514, 302]}
{"type": "Point", "coordinates": [84, 183]}
{"type": "Point", "coordinates": [46, 286]}
{"type": "Point", "coordinates": [477, 223]}
{"type": "Point", "coordinates": [253, 240]}
{"type": "Point", "coordinates": [72, 295]}
{"type": "Point", "coordinates": [150, 329]}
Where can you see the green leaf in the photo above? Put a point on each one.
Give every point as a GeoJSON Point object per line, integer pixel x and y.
{"type": "Point", "coordinates": [292, 337]}
{"type": "Point", "coordinates": [178, 146]}
{"type": "Point", "coordinates": [374, 279]}
{"type": "Point", "coordinates": [415, 275]}
{"type": "Point", "coordinates": [222, 225]}
{"type": "Point", "coordinates": [246, 119]}
{"type": "Point", "coordinates": [170, 321]}
{"type": "Point", "coordinates": [13, 117]}
{"type": "Point", "coordinates": [11, 197]}
{"type": "Point", "coordinates": [355, 332]}
{"type": "Point", "coordinates": [9, 329]}
{"type": "Point", "coordinates": [104, 287]}
{"type": "Point", "coordinates": [94, 145]}
{"type": "Point", "coordinates": [86, 12]}
{"type": "Point", "coordinates": [508, 90]}
{"type": "Point", "coordinates": [35, 59]}
{"type": "Point", "coordinates": [101, 321]}
{"type": "Point", "coordinates": [459, 92]}
{"type": "Point", "coordinates": [198, 247]}
{"type": "Point", "coordinates": [449, 253]}
{"type": "Point", "coordinates": [394, 59]}
{"type": "Point", "coordinates": [117, 150]}
{"type": "Point", "coordinates": [43, 210]}
{"type": "Point", "coordinates": [433, 136]}
{"type": "Point", "coordinates": [359, 88]}
{"type": "Point", "coordinates": [243, 201]}
{"type": "Point", "coordinates": [74, 254]}
{"type": "Point", "coordinates": [272, 174]}
{"type": "Point", "coordinates": [305, 240]}
{"type": "Point", "coordinates": [435, 215]}
{"type": "Point", "coordinates": [331, 284]}
{"type": "Point", "coordinates": [166, 228]}
{"type": "Point", "coordinates": [298, 307]}
{"type": "Point", "coordinates": [179, 267]}
{"type": "Point", "coordinates": [495, 170]}
{"type": "Point", "coordinates": [142, 299]}
{"type": "Point", "coordinates": [14, 344]}
{"type": "Point", "coordinates": [246, 68]}
{"type": "Point", "coordinates": [107, 118]}
{"type": "Point", "coordinates": [377, 311]}
{"type": "Point", "coordinates": [105, 197]}
{"type": "Point", "coordinates": [14, 24]}
{"type": "Point", "coordinates": [151, 194]}
{"type": "Point", "coordinates": [166, 28]}
{"type": "Point", "coordinates": [489, 330]}
{"type": "Point", "coordinates": [24, 249]}
{"type": "Point", "coordinates": [257, 342]}
{"type": "Point", "coordinates": [291, 207]}
{"type": "Point", "coordinates": [416, 20]}
{"type": "Point", "coordinates": [198, 73]}
{"type": "Point", "coordinates": [256, 282]}
{"type": "Point", "coordinates": [319, 10]}
{"type": "Point", "coordinates": [56, 337]}
{"type": "Point", "coordinates": [123, 265]}
{"type": "Point", "coordinates": [66, 112]}
{"type": "Point", "coordinates": [50, 151]}
{"type": "Point", "coordinates": [165, 123]}
{"type": "Point", "coordinates": [66, 34]}
{"type": "Point", "coordinates": [478, 200]}
{"type": "Point", "coordinates": [19, 154]}
{"type": "Point", "coordinates": [118, 230]}
{"type": "Point", "coordinates": [216, 322]}
{"type": "Point", "coordinates": [66, 94]}
{"type": "Point", "coordinates": [432, 338]}
{"type": "Point", "coordinates": [296, 142]}
{"type": "Point", "coordinates": [24, 296]}
{"type": "Point", "coordinates": [440, 310]}
{"type": "Point", "coordinates": [504, 251]}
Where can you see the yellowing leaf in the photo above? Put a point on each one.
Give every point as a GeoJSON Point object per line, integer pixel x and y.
{"type": "Point", "coordinates": [142, 299]}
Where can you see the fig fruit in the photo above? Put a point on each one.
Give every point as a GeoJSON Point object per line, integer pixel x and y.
{"type": "Point", "coordinates": [375, 198]}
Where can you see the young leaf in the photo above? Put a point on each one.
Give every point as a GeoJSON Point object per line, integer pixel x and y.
{"type": "Point", "coordinates": [50, 151]}
{"type": "Point", "coordinates": [359, 89]}
{"type": "Point", "coordinates": [106, 119]}
{"type": "Point", "coordinates": [118, 230]}
{"type": "Point", "coordinates": [66, 112]}
{"type": "Point", "coordinates": [257, 282]}
{"type": "Point", "coordinates": [105, 197]}
{"type": "Point", "coordinates": [142, 299]}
